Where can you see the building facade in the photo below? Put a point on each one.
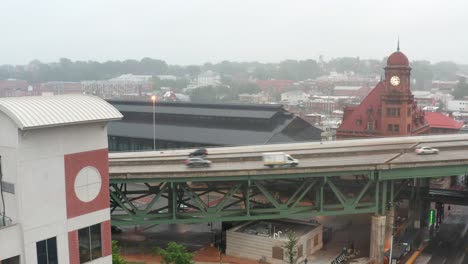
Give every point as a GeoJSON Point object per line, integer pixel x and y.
{"type": "Point", "coordinates": [265, 240]}
{"type": "Point", "coordinates": [458, 105]}
{"type": "Point", "coordinates": [389, 109]}
{"type": "Point", "coordinates": [55, 180]}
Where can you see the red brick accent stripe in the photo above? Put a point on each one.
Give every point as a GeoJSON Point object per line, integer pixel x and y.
{"type": "Point", "coordinates": [106, 238]}
{"type": "Point", "coordinates": [73, 247]}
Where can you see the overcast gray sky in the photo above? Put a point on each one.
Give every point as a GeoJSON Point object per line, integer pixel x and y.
{"type": "Point", "coordinates": [198, 31]}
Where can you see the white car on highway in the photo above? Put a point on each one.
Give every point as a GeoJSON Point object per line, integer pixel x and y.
{"type": "Point", "coordinates": [426, 150]}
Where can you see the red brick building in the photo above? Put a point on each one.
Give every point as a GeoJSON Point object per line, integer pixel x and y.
{"type": "Point", "coordinates": [275, 85]}
{"type": "Point", "coordinates": [389, 109]}
{"type": "Point", "coordinates": [358, 91]}
{"type": "Point", "coordinates": [13, 87]}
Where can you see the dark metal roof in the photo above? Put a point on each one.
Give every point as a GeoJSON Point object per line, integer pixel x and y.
{"type": "Point", "coordinates": [189, 134]}
{"type": "Point", "coordinates": [184, 110]}
{"type": "Point", "coordinates": [214, 136]}
{"type": "Point", "coordinates": [238, 127]}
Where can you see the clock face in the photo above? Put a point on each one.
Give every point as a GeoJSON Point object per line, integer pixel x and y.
{"type": "Point", "coordinates": [395, 80]}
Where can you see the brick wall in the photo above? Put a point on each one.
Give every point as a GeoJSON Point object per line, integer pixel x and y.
{"type": "Point", "coordinates": [73, 247]}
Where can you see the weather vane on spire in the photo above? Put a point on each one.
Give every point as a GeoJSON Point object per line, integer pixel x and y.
{"type": "Point", "coordinates": [398, 44]}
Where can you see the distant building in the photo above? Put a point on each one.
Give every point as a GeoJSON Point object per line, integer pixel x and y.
{"type": "Point", "coordinates": [167, 77]}
{"type": "Point", "coordinates": [266, 239]}
{"type": "Point", "coordinates": [391, 109]}
{"type": "Point", "coordinates": [126, 86]}
{"type": "Point", "coordinates": [275, 86]}
{"type": "Point", "coordinates": [13, 87]}
{"type": "Point", "coordinates": [442, 99]}
{"type": "Point", "coordinates": [444, 85]}
{"type": "Point", "coordinates": [184, 125]}
{"type": "Point", "coordinates": [294, 97]}
{"type": "Point", "coordinates": [58, 88]}
{"type": "Point", "coordinates": [458, 105]}
{"type": "Point", "coordinates": [208, 78]}
{"type": "Point", "coordinates": [346, 79]}
{"type": "Point", "coordinates": [324, 105]}
{"type": "Point", "coordinates": [424, 98]}
{"type": "Point", "coordinates": [313, 119]}
{"type": "Point", "coordinates": [357, 91]}
{"type": "Point", "coordinates": [259, 98]}
{"type": "Point", "coordinates": [132, 78]}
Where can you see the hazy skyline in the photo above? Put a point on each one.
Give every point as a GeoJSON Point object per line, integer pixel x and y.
{"type": "Point", "coordinates": [194, 32]}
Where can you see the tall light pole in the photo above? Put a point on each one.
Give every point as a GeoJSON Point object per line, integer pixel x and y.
{"type": "Point", "coordinates": [153, 99]}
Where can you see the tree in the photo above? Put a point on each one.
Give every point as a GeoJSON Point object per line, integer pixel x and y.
{"type": "Point", "coordinates": [344, 64]}
{"type": "Point", "coordinates": [422, 73]}
{"type": "Point", "coordinates": [461, 90]}
{"type": "Point", "coordinates": [177, 84]}
{"type": "Point", "coordinates": [445, 70]}
{"type": "Point", "coordinates": [116, 257]}
{"type": "Point", "coordinates": [206, 94]}
{"type": "Point", "coordinates": [291, 248]}
{"type": "Point", "coordinates": [175, 254]}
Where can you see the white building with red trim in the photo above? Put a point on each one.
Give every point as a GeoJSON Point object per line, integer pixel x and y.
{"type": "Point", "coordinates": [54, 199]}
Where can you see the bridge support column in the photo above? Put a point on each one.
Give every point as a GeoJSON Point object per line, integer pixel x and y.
{"type": "Point", "coordinates": [389, 226]}
{"type": "Point", "coordinates": [425, 205]}
{"type": "Point", "coordinates": [414, 212]}
{"type": "Point", "coordinates": [377, 239]}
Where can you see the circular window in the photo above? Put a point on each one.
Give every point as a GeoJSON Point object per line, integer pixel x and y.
{"type": "Point", "coordinates": [88, 184]}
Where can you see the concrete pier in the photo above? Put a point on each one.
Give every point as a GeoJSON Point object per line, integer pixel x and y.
{"type": "Point", "coordinates": [377, 239]}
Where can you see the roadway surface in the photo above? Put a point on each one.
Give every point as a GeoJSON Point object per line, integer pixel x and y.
{"type": "Point", "coordinates": [450, 245]}
{"type": "Point", "coordinates": [363, 155]}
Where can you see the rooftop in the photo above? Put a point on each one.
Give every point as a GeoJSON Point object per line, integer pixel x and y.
{"type": "Point", "coordinates": [397, 58]}
{"type": "Point", "coordinates": [32, 112]}
{"type": "Point", "coordinates": [439, 120]}
{"type": "Point", "coordinates": [211, 124]}
{"type": "Point", "coordinates": [268, 228]}
{"type": "Point", "coordinates": [347, 88]}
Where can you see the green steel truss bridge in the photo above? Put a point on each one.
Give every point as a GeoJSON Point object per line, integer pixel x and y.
{"type": "Point", "coordinates": [333, 178]}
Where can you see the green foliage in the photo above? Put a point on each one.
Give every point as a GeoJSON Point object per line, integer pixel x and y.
{"type": "Point", "coordinates": [204, 95]}
{"type": "Point", "coordinates": [178, 84]}
{"type": "Point", "coordinates": [344, 64]}
{"type": "Point", "coordinates": [461, 90]}
{"type": "Point", "coordinates": [445, 70]}
{"type": "Point", "coordinates": [223, 93]}
{"type": "Point", "coordinates": [422, 73]}
{"type": "Point", "coordinates": [68, 70]}
{"type": "Point", "coordinates": [116, 256]}
{"type": "Point", "coordinates": [291, 248]}
{"type": "Point", "coordinates": [175, 254]}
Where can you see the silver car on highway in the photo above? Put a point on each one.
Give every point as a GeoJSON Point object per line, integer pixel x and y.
{"type": "Point", "coordinates": [426, 150]}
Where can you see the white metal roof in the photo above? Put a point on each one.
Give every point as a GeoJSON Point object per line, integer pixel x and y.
{"type": "Point", "coordinates": [33, 112]}
{"type": "Point", "coordinates": [348, 88]}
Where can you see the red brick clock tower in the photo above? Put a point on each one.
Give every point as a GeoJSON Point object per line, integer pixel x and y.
{"type": "Point", "coordinates": [389, 110]}
{"type": "Point", "coordinates": [397, 100]}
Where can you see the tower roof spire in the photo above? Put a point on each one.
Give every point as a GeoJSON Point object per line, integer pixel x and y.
{"type": "Point", "coordinates": [398, 44]}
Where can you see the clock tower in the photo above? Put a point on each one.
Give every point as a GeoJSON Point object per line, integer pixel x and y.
{"type": "Point", "coordinates": [397, 100]}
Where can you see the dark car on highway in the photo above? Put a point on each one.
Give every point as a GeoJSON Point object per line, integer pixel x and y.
{"type": "Point", "coordinates": [199, 152]}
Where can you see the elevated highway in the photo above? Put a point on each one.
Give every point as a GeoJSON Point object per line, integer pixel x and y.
{"type": "Point", "coordinates": [166, 191]}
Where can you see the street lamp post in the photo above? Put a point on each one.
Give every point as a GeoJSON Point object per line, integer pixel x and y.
{"type": "Point", "coordinates": [391, 248]}
{"type": "Point", "coordinates": [153, 99]}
